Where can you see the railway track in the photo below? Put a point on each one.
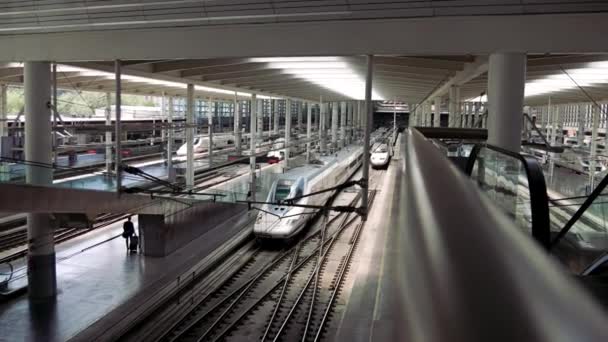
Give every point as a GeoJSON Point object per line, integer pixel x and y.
{"type": "Point", "coordinates": [270, 294]}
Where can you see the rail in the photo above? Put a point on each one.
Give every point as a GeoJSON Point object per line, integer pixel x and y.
{"type": "Point", "coordinates": [522, 195]}
{"type": "Point", "coordinates": [466, 275]}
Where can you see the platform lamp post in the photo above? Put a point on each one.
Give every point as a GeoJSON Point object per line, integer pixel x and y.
{"type": "Point", "coordinates": [366, 137]}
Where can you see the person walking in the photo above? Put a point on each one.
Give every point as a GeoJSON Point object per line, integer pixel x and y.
{"type": "Point", "coordinates": [128, 230]}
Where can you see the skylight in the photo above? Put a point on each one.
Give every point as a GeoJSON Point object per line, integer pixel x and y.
{"type": "Point", "coordinates": [332, 73]}
{"type": "Point", "coordinates": [595, 73]}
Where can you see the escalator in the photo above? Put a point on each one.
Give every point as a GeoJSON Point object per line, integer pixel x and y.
{"type": "Point", "coordinates": [573, 230]}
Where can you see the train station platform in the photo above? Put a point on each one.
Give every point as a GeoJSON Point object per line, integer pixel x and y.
{"type": "Point", "coordinates": [368, 314]}
{"type": "Point", "coordinates": [99, 283]}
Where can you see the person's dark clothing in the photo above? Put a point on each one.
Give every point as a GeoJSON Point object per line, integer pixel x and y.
{"type": "Point", "coordinates": [128, 232]}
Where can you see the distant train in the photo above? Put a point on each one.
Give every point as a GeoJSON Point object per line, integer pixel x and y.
{"type": "Point", "coordinates": [380, 157]}
{"type": "Point", "coordinates": [277, 153]}
{"type": "Point", "coordinates": [201, 144]}
{"type": "Point", "coordinates": [278, 221]}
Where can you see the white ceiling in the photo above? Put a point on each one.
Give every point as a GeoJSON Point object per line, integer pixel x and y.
{"type": "Point", "coordinates": [405, 79]}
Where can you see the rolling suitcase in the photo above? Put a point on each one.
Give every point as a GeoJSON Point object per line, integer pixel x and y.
{"type": "Point", "coordinates": [134, 244]}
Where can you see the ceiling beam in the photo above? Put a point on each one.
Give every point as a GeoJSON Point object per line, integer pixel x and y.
{"type": "Point", "coordinates": [470, 71]}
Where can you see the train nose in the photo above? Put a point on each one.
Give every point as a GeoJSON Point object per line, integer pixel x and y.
{"type": "Point", "coordinates": [270, 226]}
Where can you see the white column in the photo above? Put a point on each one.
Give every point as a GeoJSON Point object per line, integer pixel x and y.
{"type": "Point", "coordinates": [190, 136]}
{"type": "Point", "coordinates": [308, 129]}
{"type": "Point", "coordinates": [287, 132]}
{"type": "Point", "coordinates": [419, 114]}
{"type": "Point", "coordinates": [108, 138]}
{"type": "Point", "coordinates": [342, 124]}
{"type": "Point", "coordinates": [275, 110]}
{"type": "Point", "coordinates": [214, 109]}
{"type": "Point", "coordinates": [252, 145]}
{"type": "Point", "coordinates": [411, 118]}
{"type": "Point", "coordinates": [580, 136]}
{"type": "Point", "coordinates": [506, 82]}
{"type": "Point", "coordinates": [299, 107]}
{"type": "Point", "coordinates": [351, 121]}
{"type": "Point", "coordinates": [3, 111]}
{"type": "Point", "coordinates": [322, 128]}
{"type": "Point", "coordinates": [368, 129]}
{"type": "Point", "coordinates": [595, 113]}
{"type": "Point", "coordinates": [118, 124]}
{"type": "Point", "coordinates": [170, 138]}
{"type": "Point", "coordinates": [237, 124]}
{"type": "Point", "coordinates": [454, 107]}
{"type": "Point", "coordinates": [427, 114]}
{"type": "Point", "coordinates": [41, 273]}
{"type": "Point", "coordinates": [437, 112]}
{"type": "Point", "coordinates": [4, 167]}
{"type": "Point", "coordinates": [334, 126]}
{"type": "Point", "coordinates": [260, 116]}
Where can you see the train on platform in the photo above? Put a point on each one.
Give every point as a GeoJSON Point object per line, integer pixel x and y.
{"type": "Point", "coordinates": [279, 221]}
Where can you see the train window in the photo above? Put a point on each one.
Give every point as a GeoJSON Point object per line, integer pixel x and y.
{"type": "Point", "coordinates": [197, 141]}
{"type": "Point", "coordinates": [230, 142]}
{"type": "Point", "coordinates": [282, 191]}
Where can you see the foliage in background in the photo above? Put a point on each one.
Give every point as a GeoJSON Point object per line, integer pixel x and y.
{"type": "Point", "coordinates": [73, 103]}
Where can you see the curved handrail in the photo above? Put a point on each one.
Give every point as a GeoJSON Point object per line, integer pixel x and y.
{"type": "Point", "coordinates": [539, 201]}
{"type": "Point", "coordinates": [466, 275]}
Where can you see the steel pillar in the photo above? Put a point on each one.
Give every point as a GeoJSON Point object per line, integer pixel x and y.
{"type": "Point", "coordinates": [334, 126]}
{"type": "Point", "coordinates": [260, 116]}
{"type": "Point", "coordinates": [42, 282]}
{"type": "Point", "coordinates": [190, 136]}
{"type": "Point", "coordinates": [322, 129]}
{"type": "Point", "coordinates": [275, 109]}
{"type": "Point", "coordinates": [118, 124]}
{"type": "Point", "coordinates": [211, 114]}
{"type": "Point", "coordinates": [454, 107]}
{"type": "Point", "coordinates": [437, 112]}
{"type": "Point", "coordinates": [252, 144]}
{"type": "Point", "coordinates": [369, 107]}
{"type": "Point", "coordinates": [308, 129]}
{"type": "Point", "coordinates": [299, 107]}
{"type": "Point", "coordinates": [342, 124]}
{"type": "Point", "coordinates": [288, 118]}
{"type": "Point", "coordinates": [170, 134]}
{"type": "Point", "coordinates": [237, 124]}
{"type": "Point", "coordinates": [595, 113]}
{"type": "Point", "coordinates": [3, 110]}
{"type": "Point", "coordinates": [506, 82]}
{"type": "Point", "coordinates": [108, 138]}
{"type": "Point", "coordinates": [580, 136]}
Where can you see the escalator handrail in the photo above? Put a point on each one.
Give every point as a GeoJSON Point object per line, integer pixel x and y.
{"type": "Point", "coordinates": [539, 201]}
{"type": "Point", "coordinates": [577, 215]}
{"type": "Point", "coordinates": [465, 273]}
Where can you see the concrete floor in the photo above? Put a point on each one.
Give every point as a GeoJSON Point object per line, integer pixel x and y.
{"type": "Point", "coordinates": [369, 313]}
{"type": "Point", "coordinates": [94, 281]}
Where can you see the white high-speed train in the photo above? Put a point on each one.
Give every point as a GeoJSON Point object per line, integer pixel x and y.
{"type": "Point", "coordinates": [201, 144]}
{"type": "Point", "coordinates": [280, 222]}
{"type": "Point", "coordinates": [380, 157]}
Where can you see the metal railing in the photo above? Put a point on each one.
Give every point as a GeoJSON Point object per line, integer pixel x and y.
{"type": "Point", "coordinates": [534, 187]}
{"type": "Point", "coordinates": [467, 275]}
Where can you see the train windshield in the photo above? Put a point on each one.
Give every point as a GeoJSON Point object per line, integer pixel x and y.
{"type": "Point", "coordinates": [197, 141]}
{"type": "Point", "coordinates": [283, 189]}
